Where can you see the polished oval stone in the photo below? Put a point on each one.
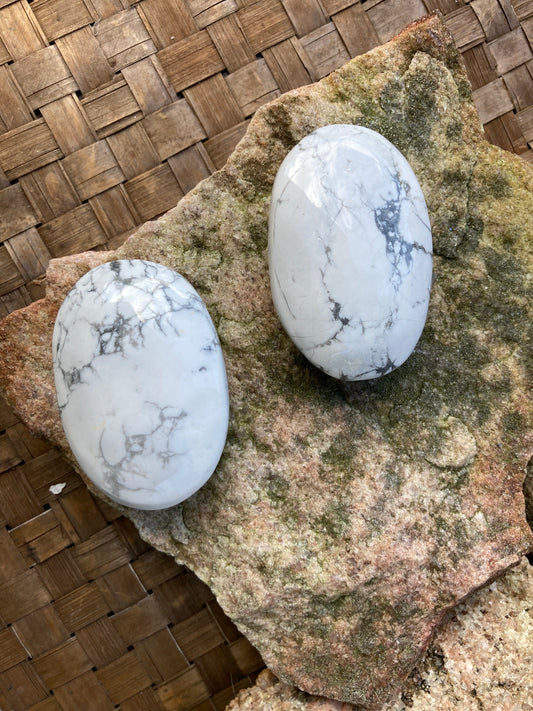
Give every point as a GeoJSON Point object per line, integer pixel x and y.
{"type": "Point", "coordinates": [350, 252]}
{"type": "Point", "coordinates": [141, 383]}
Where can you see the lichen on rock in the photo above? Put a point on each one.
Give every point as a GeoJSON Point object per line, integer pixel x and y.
{"type": "Point", "coordinates": [345, 520]}
{"type": "Point", "coordinates": [480, 659]}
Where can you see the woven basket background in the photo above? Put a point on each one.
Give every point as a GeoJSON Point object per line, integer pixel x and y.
{"type": "Point", "coordinates": [110, 111]}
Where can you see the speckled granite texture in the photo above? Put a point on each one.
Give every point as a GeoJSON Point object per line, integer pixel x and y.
{"type": "Point", "coordinates": [345, 520]}
{"type": "Point", "coordinates": [482, 658]}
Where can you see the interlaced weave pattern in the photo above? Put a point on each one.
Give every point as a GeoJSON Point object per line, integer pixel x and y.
{"type": "Point", "coordinates": [110, 111]}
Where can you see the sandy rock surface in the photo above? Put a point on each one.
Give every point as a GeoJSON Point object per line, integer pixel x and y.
{"type": "Point", "coordinates": [482, 658]}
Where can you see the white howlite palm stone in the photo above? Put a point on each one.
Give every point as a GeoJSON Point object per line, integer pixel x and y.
{"type": "Point", "coordinates": [350, 252]}
{"type": "Point", "coordinates": [141, 383]}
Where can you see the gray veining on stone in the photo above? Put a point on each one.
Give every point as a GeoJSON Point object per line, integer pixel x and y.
{"type": "Point", "coordinates": [140, 383]}
{"type": "Point", "coordinates": [350, 252]}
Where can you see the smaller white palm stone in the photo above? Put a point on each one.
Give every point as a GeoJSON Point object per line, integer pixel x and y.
{"type": "Point", "coordinates": [350, 252]}
{"type": "Point", "coordinates": [141, 383]}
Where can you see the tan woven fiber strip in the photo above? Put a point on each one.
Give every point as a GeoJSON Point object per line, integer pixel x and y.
{"type": "Point", "coordinates": [110, 111]}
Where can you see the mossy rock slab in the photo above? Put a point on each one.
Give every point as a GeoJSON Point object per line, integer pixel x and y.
{"type": "Point", "coordinates": [346, 519]}
{"type": "Point", "coordinates": [481, 658]}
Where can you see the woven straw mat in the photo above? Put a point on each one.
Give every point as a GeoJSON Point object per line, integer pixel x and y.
{"type": "Point", "coordinates": [110, 111]}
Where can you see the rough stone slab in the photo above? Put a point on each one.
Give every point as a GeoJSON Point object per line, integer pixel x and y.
{"type": "Point", "coordinates": [528, 493]}
{"type": "Point", "coordinates": [482, 658]}
{"type": "Point", "coordinates": [345, 520]}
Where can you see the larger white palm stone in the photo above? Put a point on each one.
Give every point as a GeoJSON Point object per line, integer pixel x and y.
{"type": "Point", "coordinates": [141, 383]}
{"type": "Point", "coordinates": [350, 252]}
